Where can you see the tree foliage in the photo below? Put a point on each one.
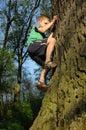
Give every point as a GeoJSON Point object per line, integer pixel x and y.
{"type": "Point", "coordinates": [16, 19]}
{"type": "Point", "coordinates": [17, 117]}
{"type": "Point", "coordinates": [7, 70]}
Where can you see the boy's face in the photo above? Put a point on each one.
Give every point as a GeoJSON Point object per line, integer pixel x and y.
{"type": "Point", "coordinates": [44, 22]}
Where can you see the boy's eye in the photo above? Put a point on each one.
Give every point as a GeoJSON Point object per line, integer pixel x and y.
{"type": "Point", "coordinates": [46, 23]}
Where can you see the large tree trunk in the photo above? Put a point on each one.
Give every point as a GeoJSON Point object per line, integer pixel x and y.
{"type": "Point", "coordinates": [64, 105]}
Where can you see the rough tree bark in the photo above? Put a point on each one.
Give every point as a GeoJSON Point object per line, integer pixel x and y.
{"type": "Point", "coordinates": [64, 104]}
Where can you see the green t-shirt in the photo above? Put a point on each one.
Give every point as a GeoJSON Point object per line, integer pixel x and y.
{"type": "Point", "coordinates": [35, 34]}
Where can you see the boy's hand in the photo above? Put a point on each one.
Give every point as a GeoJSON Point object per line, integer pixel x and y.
{"type": "Point", "coordinates": [55, 17]}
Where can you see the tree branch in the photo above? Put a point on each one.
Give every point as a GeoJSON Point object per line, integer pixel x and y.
{"type": "Point", "coordinates": [9, 21]}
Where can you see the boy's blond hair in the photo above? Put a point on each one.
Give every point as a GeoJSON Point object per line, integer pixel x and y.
{"type": "Point", "coordinates": [43, 17]}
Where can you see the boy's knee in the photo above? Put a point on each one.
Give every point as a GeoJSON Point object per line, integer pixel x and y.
{"type": "Point", "coordinates": [54, 40]}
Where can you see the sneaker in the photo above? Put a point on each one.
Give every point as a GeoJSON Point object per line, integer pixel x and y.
{"type": "Point", "coordinates": [50, 65]}
{"type": "Point", "coordinates": [42, 86]}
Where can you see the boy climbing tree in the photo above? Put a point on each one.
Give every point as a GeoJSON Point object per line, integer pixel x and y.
{"type": "Point", "coordinates": [40, 47]}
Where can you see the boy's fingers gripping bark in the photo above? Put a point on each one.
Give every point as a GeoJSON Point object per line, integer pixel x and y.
{"type": "Point", "coordinates": [55, 17]}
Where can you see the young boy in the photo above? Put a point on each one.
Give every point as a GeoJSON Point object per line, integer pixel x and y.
{"type": "Point", "coordinates": [40, 48]}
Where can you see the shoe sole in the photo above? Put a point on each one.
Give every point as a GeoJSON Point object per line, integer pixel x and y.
{"type": "Point", "coordinates": [52, 65]}
{"type": "Point", "coordinates": [41, 87]}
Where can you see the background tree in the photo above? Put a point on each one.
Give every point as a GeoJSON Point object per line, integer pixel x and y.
{"type": "Point", "coordinates": [16, 19]}
{"type": "Point", "coordinates": [15, 22]}
{"type": "Point", "coordinates": [64, 105]}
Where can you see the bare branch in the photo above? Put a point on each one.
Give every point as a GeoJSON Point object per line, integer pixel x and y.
{"type": "Point", "coordinates": [9, 21]}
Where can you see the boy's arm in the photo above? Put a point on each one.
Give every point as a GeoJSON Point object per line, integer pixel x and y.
{"type": "Point", "coordinates": [47, 26]}
{"type": "Point", "coordinates": [51, 35]}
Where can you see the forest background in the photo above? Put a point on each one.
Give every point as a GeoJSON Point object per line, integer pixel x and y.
{"type": "Point", "coordinates": [63, 107]}
{"type": "Point", "coordinates": [20, 100]}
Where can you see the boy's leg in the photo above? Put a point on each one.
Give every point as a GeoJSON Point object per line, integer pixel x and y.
{"type": "Point", "coordinates": [43, 75]}
{"type": "Point", "coordinates": [49, 50]}
{"type": "Point", "coordinates": [50, 47]}
{"type": "Point", "coordinates": [41, 83]}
